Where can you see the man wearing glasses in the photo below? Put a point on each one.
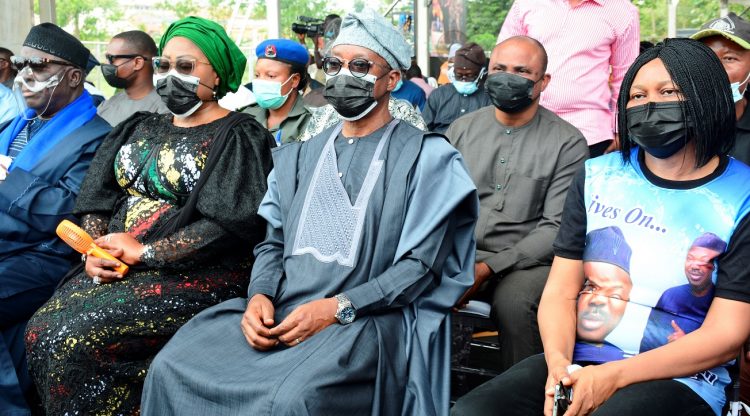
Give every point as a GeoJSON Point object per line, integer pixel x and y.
{"type": "Point", "coordinates": [464, 94]}
{"type": "Point", "coordinates": [44, 155]}
{"type": "Point", "coordinates": [129, 68]}
{"type": "Point", "coordinates": [368, 245]}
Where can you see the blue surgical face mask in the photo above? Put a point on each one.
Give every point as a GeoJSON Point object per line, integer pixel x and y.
{"type": "Point", "coordinates": [268, 93]}
{"type": "Point", "coordinates": [736, 94]}
{"type": "Point", "coordinates": [398, 85]}
{"type": "Point", "coordinates": [468, 87]}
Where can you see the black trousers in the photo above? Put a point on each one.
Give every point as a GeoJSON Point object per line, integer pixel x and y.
{"type": "Point", "coordinates": [515, 302]}
{"type": "Point", "coordinates": [520, 392]}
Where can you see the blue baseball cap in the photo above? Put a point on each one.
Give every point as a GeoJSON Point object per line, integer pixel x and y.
{"type": "Point", "coordinates": [283, 50]}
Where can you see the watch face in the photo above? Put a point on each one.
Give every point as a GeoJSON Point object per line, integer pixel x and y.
{"type": "Point", "coordinates": [346, 315]}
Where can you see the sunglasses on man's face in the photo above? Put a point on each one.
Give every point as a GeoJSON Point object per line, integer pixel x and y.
{"type": "Point", "coordinates": [359, 67]}
{"type": "Point", "coordinates": [184, 66]}
{"type": "Point", "coordinates": [111, 58]}
{"type": "Point", "coordinates": [35, 63]}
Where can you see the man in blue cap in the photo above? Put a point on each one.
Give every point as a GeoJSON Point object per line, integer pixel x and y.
{"type": "Point", "coordinates": [280, 75]}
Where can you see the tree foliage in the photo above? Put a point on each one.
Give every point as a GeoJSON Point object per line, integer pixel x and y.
{"type": "Point", "coordinates": [217, 10]}
{"type": "Point", "coordinates": [484, 20]}
{"type": "Point", "coordinates": [88, 17]}
{"type": "Point", "coordinates": [181, 8]}
{"type": "Point", "coordinates": [691, 14]}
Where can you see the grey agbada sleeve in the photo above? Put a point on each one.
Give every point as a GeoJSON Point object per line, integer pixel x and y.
{"type": "Point", "coordinates": [268, 268]}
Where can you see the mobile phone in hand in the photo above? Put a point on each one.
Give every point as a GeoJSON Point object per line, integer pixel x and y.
{"type": "Point", "coordinates": [563, 398]}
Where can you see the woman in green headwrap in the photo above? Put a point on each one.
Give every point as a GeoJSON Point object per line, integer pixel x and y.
{"type": "Point", "coordinates": [174, 197]}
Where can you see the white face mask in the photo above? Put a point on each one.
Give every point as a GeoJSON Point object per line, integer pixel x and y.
{"type": "Point", "coordinates": [736, 94]}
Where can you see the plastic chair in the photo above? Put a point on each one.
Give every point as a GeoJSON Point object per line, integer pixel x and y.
{"type": "Point", "coordinates": [468, 367]}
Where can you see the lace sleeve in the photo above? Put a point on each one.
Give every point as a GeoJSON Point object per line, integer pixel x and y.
{"type": "Point", "coordinates": [229, 226]}
{"type": "Point", "coordinates": [95, 225]}
{"type": "Point", "coordinates": [192, 245]}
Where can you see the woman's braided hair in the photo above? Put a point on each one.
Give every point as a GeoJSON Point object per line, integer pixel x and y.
{"type": "Point", "coordinates": [705, 93]}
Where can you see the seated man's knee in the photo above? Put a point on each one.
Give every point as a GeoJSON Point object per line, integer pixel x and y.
{"type": "Point", "coordinates": [516, 297]}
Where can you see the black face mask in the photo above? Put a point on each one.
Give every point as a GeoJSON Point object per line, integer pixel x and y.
{"type": "Point", "coordinates": [110, 75]}
{"type": "Point", "coordinates": [351, 97]}
{"type": "Point", "coordinates": [510, 93]}
{"type": "Point", "coordinates": [660, 129]}
{"type": "Point", "coordinates": [179, 93]}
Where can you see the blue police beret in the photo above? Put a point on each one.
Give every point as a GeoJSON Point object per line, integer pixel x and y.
{"type": "Point", "coordinates": [283, 50]}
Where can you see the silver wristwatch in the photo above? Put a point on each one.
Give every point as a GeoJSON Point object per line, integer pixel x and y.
{"type": "Point", "coordinates": [345, 312]}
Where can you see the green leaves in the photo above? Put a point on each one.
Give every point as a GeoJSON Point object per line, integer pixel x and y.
{"type": "Point", "coordinates": [88, 17]}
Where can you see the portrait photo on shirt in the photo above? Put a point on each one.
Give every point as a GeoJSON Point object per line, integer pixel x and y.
{"type": "Point", "coordinates": [674, 262]}
{"type": "Point", "coordinates": [681, 309]}
{"type": "Point", "coordinates": [621, 297]}
{"type": "Point", "coordinates": [604, 298]}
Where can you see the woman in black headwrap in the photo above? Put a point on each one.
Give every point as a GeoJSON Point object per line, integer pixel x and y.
{"type": "Point", "coordinates": [173, 196]}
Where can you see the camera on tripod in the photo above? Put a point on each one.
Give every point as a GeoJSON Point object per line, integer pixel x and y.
{"type": "Point", "coordinates": [308, 26]}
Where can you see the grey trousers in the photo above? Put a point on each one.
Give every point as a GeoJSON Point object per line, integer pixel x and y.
{"type": "Point", "coordinates": [515, 302]}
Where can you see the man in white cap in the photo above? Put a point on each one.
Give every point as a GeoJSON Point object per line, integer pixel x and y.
{"type": "Point", "coordinates": [369, 244]}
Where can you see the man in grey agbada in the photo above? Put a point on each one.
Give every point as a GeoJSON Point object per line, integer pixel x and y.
{"type": "Point", "coordinates": [369, 244]}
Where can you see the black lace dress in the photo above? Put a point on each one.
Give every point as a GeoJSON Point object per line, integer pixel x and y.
{"type": "Point", "coordinates": [90, 346]}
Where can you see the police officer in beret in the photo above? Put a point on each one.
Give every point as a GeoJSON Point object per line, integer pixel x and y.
{"type": "Point", "coordinates": [280, 75]}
